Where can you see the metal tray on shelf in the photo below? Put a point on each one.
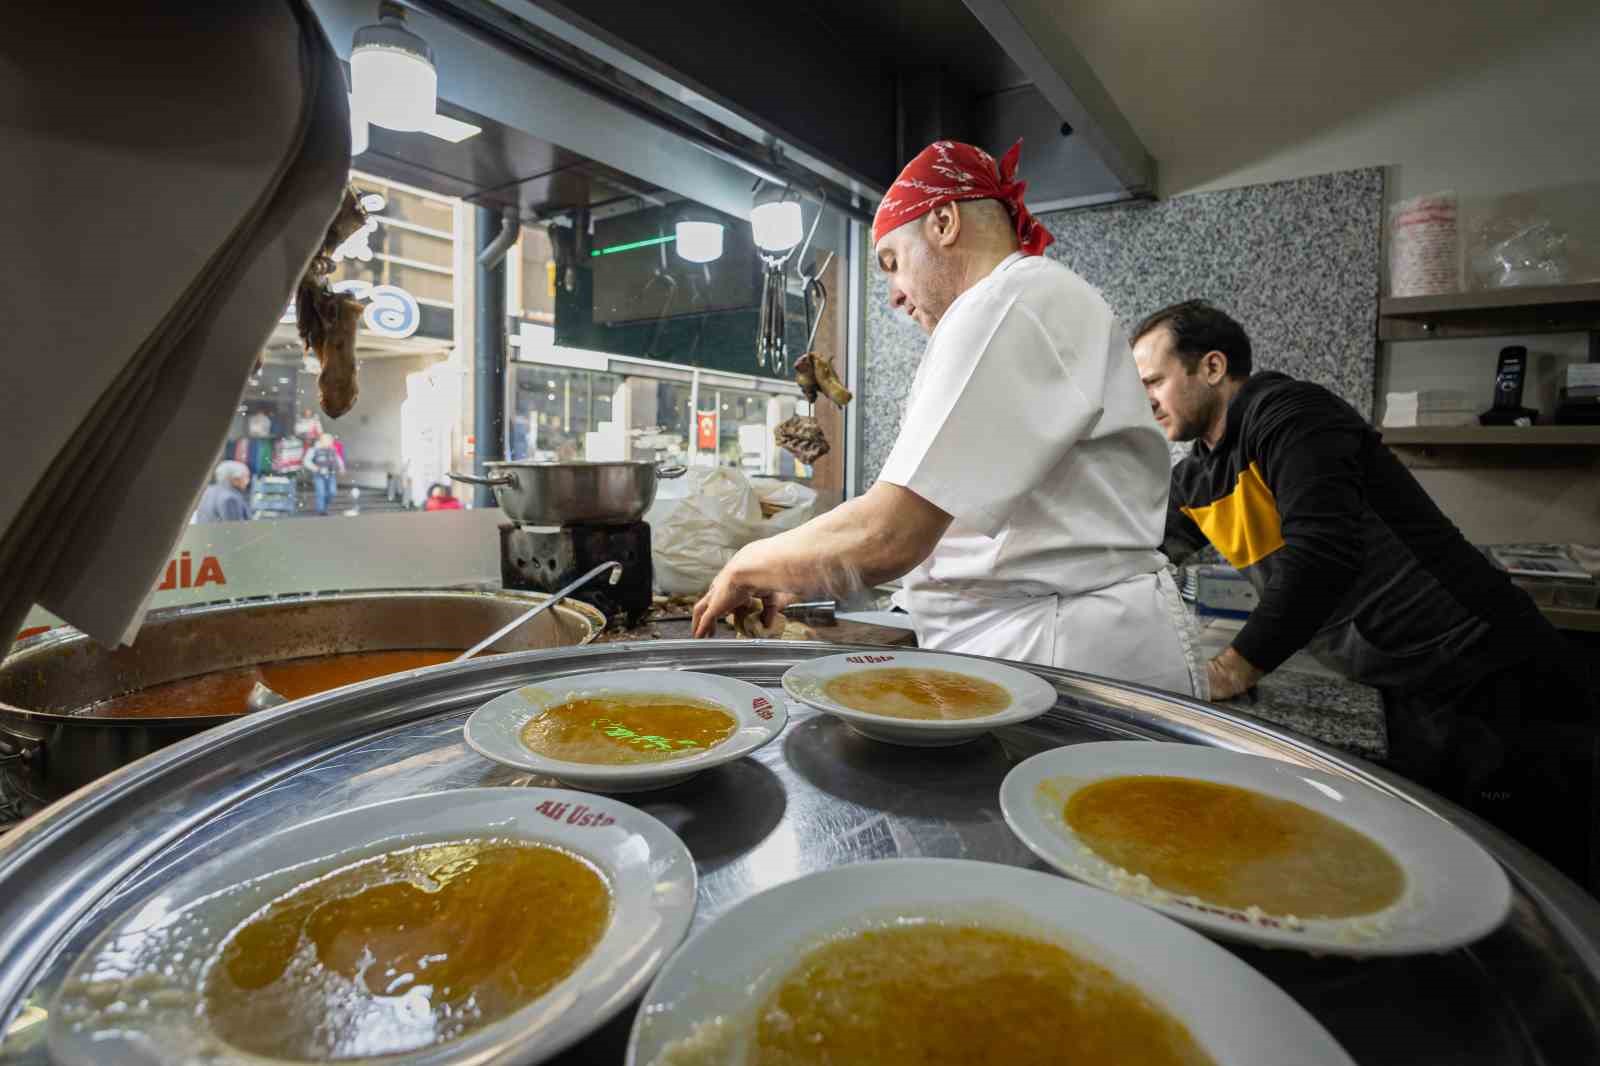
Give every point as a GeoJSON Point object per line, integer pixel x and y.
{"type": "Point", "coordinates": [819, 796]}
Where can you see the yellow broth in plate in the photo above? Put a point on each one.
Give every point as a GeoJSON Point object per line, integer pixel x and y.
{"type": "Point", "coordinates": [628, 728]}
{"type": "Point", "coordinates": [937, 994]}
{"type": "Point", "coordinates": [918, 693]}
{"type": "Point", "coordinates": [1233, 847]}
{"type": "Point", "coordinates": [405, 950]}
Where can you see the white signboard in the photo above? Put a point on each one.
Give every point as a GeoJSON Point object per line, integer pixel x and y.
{"type": "Point", "coordinates": [232, 560]}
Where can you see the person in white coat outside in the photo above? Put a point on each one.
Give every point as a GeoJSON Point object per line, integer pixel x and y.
{"type": "Point", "coordinates": [1024, 501]}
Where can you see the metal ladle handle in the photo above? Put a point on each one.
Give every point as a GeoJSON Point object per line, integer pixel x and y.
{"type": "Point", "coordinates": [616, 575]}
{"type": "Point", "coordinates": [261, 697]}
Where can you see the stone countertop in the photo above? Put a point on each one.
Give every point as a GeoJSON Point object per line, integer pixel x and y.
{"type": "Point", "coordinates": [1307, 697]}
{"type": "Point", "coordinates": [1302, 695]}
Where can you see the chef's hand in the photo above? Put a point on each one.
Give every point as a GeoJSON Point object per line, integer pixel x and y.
{"type": "Point", "coordinates": [732, 590]}
{"type": "Point", "coordinates": [1230, 674]}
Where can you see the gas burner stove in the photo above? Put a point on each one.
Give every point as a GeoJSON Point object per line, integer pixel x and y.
{"type": "Point", "coordinates": [537, 559]}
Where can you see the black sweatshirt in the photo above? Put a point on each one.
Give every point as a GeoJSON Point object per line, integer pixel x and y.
{"type": "Point", "coordinates": [1350, 557]}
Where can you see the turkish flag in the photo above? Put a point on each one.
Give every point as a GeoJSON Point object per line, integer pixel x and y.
{"type": "Point", "coordinates": [706, 429]}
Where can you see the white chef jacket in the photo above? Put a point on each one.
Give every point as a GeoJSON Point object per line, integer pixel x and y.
{"type": "Point", "coordinates": [1027, 423]}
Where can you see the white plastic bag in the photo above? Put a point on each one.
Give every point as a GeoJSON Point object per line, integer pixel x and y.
{"type": "Point", "coordinates": [1519, 251]}
{"type": "Point", "coordinates": [716, 512]}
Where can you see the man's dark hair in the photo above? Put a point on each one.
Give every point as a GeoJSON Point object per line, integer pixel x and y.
{"type": "Point", "coordinates": [1198, 328]}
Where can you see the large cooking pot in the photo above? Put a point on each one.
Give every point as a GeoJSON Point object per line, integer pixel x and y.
{"type": "Point", "coordinates": [49, 678]}
{"type": "Point", "coordinates": [554, 494]}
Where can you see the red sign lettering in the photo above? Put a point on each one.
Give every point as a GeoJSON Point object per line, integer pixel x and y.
{"type": "Point", "coordinates": [181, 574]}
{"type": "Point", "coordinates": [763, 708]}
{"type": "Point", "coordinates": [210, 571]}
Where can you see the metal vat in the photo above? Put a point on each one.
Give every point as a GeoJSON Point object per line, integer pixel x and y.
{"type": "Point", "coordinates": [47, 681]}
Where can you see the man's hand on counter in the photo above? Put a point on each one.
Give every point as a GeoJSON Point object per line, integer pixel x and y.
{"type": "Point", "coordinates": [1229, 674]}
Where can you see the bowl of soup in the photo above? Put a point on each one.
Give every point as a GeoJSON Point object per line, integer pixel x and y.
{"type": "Point", "coordinates": [1256, 849]}
{"type": "Point", "coordinates": [459, 925]}
{"type": "Point", "coordinates": [919, 699]}
{"type": "Point", "coordinates": [626, 730]}
{"type": "Point", "coordinates": [950, 962]}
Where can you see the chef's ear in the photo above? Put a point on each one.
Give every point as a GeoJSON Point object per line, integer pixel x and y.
{"type": "Point", "coordinates": [1214, 366]}
{"type": "Point", "coordinates": [944, 225]}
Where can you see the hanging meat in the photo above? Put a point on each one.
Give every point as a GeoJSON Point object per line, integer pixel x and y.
{"type": "Point", "coordinates": [801, 436]}
{"type": "Point", "coordinates": [328, 320]}
{"type": "Point", "coordinates": [814, 373]}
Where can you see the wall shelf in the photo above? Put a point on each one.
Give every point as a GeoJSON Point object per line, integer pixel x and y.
{"type": "Point", "coordinates": [1493, 313]}
{"type": "Point", "coordinates": [1499, 436]}
{"type": "Point", "coordinates": [1583, 619]}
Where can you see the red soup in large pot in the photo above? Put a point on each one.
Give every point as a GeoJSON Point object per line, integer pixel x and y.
{"type": "Point", "coordinates": [225, 691]}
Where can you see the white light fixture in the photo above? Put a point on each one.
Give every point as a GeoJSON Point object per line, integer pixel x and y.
{"type": "Point", "coordinates": [699, 242]}
{"type": "Point", "coordinates": [358, 129]}
{"type": "Point", "coordinates": [775, 219]}
{"type": "Point", "coordinates": [392, 69]}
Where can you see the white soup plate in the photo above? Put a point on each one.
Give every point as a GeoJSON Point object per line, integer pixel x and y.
{"type": "Point", "coordinates": [132, 997]}
{"type": "Point", "coordinates": [1455, 892]}
{"type": "Point", "coordinates": [1031, 696]}
{"type": "Point", "coordinates": [495, 729]}
{"type": "Point", "coordinates": [706, 1002]}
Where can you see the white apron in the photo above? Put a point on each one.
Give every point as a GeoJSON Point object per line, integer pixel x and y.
{"type": "Point", "coordinates": [1135, 630]}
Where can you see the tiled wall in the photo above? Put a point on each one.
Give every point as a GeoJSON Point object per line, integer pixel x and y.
{"type": "Point", "coordinates": [1296, 262]}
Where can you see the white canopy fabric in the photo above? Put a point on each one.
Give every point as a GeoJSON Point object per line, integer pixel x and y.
{"type": "Point", "coordinates": [167, 186]}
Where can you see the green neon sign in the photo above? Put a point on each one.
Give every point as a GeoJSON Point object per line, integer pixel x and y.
{"type": "Point", "coordinates": [631, 245]}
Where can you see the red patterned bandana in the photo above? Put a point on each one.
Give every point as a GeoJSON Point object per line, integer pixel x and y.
{"type": "Point", "coordinates": [947, 171]}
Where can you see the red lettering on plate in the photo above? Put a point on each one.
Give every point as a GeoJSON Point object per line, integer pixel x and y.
{"type": "Point", "coordinates": [869, 659]}
{"type": "Point", "coordinates": [763, 708]}
{"type": "Point", "coordinates": [580, 815]}
{"type": "Point", "coordinates": [1235, 916]}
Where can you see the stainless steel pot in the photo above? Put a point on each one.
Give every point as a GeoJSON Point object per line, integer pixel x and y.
{"type": "Point", "coordinates": [48, 679]}
{"type": "Point", "coordinates": [554, 494]}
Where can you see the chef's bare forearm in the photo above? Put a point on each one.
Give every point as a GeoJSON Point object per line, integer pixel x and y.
{"type": "Point", "coordinates": [874, 538]}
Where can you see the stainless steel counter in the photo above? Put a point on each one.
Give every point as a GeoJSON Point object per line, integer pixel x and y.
{"type": "Point", "coordinates": [819, 796]}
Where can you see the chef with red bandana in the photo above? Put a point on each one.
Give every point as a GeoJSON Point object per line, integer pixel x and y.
{"type": "Point", "coordinates": [1024, 501]}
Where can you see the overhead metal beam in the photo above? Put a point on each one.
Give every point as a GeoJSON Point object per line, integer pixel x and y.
{"type": "Point", "coordinates": [567, 24]}
{"type": "Point", "coordinates": [503, 84]}
{"type": "Point", "coordinates": [1033, 38]}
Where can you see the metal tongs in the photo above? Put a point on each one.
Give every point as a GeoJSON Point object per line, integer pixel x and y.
{"type": "Point", "coordinates": [772, 345]}
{"type": "Point", "coordinates": [261, 697]}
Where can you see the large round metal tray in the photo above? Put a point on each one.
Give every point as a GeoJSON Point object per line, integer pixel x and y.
{"type": "Point", "coordinates": [821, 796]}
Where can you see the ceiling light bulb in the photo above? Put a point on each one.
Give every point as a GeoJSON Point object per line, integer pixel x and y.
{"type": "Point", "coordinates": [393, 74]}
{"type": "Point", "coordinates": [776, 226]}
{"type": "Point", "coordinates": [699, 242]}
